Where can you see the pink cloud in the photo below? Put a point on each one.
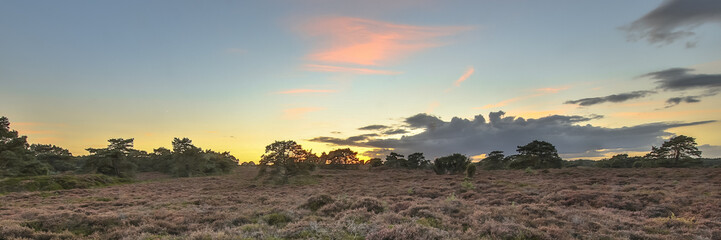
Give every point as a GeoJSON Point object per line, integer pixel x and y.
{"type": "Point", "coordinates": [328, 68]}
{"type": "Point", "coordinates": [369, 42]}
{"type": "Point", "coordinates": [465, 76]}
{"type": "Point", "coordinates": [294, 113]}
{"type": "Point", "coordinates": [551, 90]}
{"type": "Point", "coordinates": [293, 91]}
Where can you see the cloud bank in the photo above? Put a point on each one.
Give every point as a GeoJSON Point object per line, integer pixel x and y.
{"type": "Point", "coordinates": [500, 132]}
{"type": "Point", "coordinates": [674, 20]}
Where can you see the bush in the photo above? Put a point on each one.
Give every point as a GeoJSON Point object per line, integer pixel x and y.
{"type": "Point", "coordinates": [57, 182]}
{"type": "Point", "coordinates": [452, 164]}
{"type": "Point", "coordinates": [470, 170]}
{"type": "Point", "coordinates": [316, 202]}
{"type": "Point", "coordinates": [375, 162]}
{"type": "Point", "coordinates": [370, 204]}
{"type": "Point", "coordinates": [276, 219]}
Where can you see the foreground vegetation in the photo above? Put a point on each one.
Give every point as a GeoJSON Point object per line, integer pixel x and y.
{"type": "Point", "coordinates": [656, 203]}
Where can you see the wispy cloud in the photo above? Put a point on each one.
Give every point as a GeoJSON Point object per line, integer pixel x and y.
{"type": "Point", "coordinates": [674, 20]}
{"type": "Point", "coordinates": [295, 113]}
{"type": "Point", "coordinates": [328, 68]}
{"type": "Point", "coordinates": [614, 98]}
{"type": "Point", "coordinates": [538, 92]}
{"type": "Point", "coordinates": [432, 106]}
{"type": "Point", "coordinates": [465, 76]}
{"type": "Point", "coordinates": [303, 90]}
{"type": "Point", "coordinates": [370, 42]}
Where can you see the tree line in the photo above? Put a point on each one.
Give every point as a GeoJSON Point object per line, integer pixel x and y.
{"type": "Point", "coordinates": [18, 158]}
{"type": "Point", "coordinates": [287, 158]}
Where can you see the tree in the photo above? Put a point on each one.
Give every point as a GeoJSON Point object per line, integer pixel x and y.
{"type": "Point", "coordinates": [395, 160]}
{"type": "Point", "coordinates": [284, 157]}
{"type": "Point", "coordinates": [375, 162]}
{"type": "Point", "coordinates": [342, 157]}
{"type": "Point", "coordinates": [59, 159]}
{"type": "Point", "coordinates": [189, 160]}
{"type": "Point", "coordinates": [16, 158]}
{"type": "Point", "coordinates": [494, 161]}
{"type": "Point", "coordinates": [417, 160]}
{"type": "Point", "coordinates": [676, 149]}
{"type": "Point", "coordinates": [537, 154]}
{"type": "Point", "coordinates": [114, 160]}
{"type": "Point", "coordinates": [681, 147]}
{"type": "Point", "coordinates": [452, 164]}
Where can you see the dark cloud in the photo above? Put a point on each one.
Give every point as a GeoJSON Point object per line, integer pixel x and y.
{"type": "Point", "coordinates": [423, 120]}
{"type": "Point", "coordinates": [476, 136]}
{"type": "Point", "coordinates": [615, 98]}
{"type": "Point", "coordinates": [395, 131]}
{"type": "Point", "coordinates": [678, 100]}
{"type": "Point", "coordinates": [357, 141]}
{"type": "Point", "coordinates": [672, 79]}
{"type": "Point", "coordinates": [674, 20]}
{"type": "Point", "coordinates": [373, 127]}
{"type": "Point", "coordinates": [681, 79]}
{"type": "Point", "coordinates": [710, 151]}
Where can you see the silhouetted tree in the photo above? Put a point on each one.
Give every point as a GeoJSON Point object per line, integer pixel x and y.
{"type": "Point", "coordinates": [618, 161]}
{"type": "Point", "coordinates": [673, 151]}
{"type": "Point", "coordinates": [417, 160]}
{"type": "Point", "coordinates": [113, 160]}
{"type": "Point", "coordinates": [60, 159]}
{"type": "Point", "coordinates": [342, 157]}
{"type": "Point", "coordinates": [395, 160]}
{"type": "Point", "coordinates": [285, 157]}
{"type": "Point", "coordinates": [494, 161]}
{"type": "Point", "coordinates": [452, 164]}
{"type": "Point", "coordinates": [16, 158]}
{"type": "Point", "coordinates": [375, 162]}
{"type": "Point", "coordinates": [536, 154]}
{"type": "Point", "coordinates": [187, 158]}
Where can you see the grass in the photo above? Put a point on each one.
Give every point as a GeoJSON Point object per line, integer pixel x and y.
{"type": "Point", "coordinates": [382, 204]}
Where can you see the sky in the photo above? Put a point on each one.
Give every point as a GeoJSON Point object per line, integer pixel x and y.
{"type": "Point", "coordinates": [594, 78]}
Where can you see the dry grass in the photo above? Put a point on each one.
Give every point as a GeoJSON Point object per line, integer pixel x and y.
{"type": "Point", "coordinates": [390, 204]}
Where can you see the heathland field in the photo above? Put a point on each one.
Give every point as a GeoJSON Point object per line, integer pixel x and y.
{"type": "Point", "coordinates": [655, 203]}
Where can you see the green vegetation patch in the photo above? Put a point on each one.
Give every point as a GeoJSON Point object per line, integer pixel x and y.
{"type": "Point", "coordinates": [57, 182]}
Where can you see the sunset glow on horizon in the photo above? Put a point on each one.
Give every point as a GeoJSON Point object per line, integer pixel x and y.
{"type": "Point", "coordinates": [439, 77]}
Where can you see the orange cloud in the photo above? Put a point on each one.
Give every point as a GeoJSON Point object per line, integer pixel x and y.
{"type": "Point", "coordinates": [664, 115]}
{"type": "Point", "coordinates": [294, 113]}
{"type": "Point", "coordinates": [550, 90]}
{"type": "Point", "coordinates": [369, 42]}
{"type": "Point", "coordinates": [328, 68]}
{"type": "Point", "coordinates": [432, 107]}
{"type": "Point", "coordinates": [37, 132]}
{"type": "Point", "coordinates": [465, 76]}
{"type": "Point", "coordinates": [292, 91]}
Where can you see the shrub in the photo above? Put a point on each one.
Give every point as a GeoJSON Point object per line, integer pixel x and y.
{"type": "Point", "coordinates": [276, 219]}
{"type": "Point", "coordinates": [57, 182]}
{"type": "Point", "coordinates": [316, 202]}
{"type": "Point", "coordinates": [370, 204]}
{"type": "Point", "coordinates": [375, 162]}
{"type": "Point", "coordinates": [406, 231]}
{"type": "Point", "coordinates": [452, 164]}
{"type": "Point", "coordinates": [470, 170]}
